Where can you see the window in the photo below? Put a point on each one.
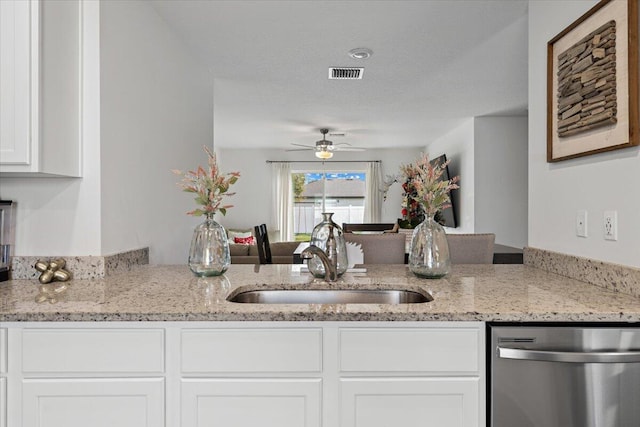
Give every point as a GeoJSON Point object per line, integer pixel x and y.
{"type": "Point", "coordinates": [342, 193]}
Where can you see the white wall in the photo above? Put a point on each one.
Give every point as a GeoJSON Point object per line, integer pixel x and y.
{"type": "Point", "coordinates": [459, 147]}
{"type": "Point", "coordinates": [600, 182]}
{"type": "Point", "coordinates": [500, 166]}
{"type": "Point", "coordinates": [157, 112]}
{"type": "Point", "coordinates": [252, 202]}
{"type": "Point", "coordinates": [490, 156]}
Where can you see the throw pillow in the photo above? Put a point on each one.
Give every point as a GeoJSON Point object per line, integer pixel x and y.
{"type": "Point", "coordinates": [244, 240]}
{"type": "Point", "coordinates": [232, 234]}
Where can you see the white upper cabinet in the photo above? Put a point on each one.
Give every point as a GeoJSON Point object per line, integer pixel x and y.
{"type": "Point", "coordinates": [40, 78]}
{"type": "Point", "coordinates": [16, 35]}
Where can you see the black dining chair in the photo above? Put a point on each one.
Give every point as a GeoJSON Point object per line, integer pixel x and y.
{"type": "Point", "coordinates": [262, 241]}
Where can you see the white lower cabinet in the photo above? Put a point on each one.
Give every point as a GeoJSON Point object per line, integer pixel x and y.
{"type": "Point", "coordinates": [3, 379]}
{"type": "Point", "coordinates": [411, 376]}
{"type": "Point", "coordinates": [86, 374]}
{"type": "Point", "coordinates": [3, 402]}
{"type": "Point", "coordinates": [409, 402]}
{"type": "Point", "coordinates": [3, 351]}
{"type": "Point", "coordinates": [252, 402]}
{"type": "Point", "coordinates": [251, 376]}
{"type": "Point", "coordinates": [242, 374]}
{"type": "Point", "coordinates": [93, 402]}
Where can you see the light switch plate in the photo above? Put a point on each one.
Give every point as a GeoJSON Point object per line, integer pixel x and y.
{"type": "Point", "coordinates": [581, 223]}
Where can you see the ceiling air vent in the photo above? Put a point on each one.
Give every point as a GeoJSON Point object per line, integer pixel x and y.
{"type": "Point", "coordinates": [345, 73]}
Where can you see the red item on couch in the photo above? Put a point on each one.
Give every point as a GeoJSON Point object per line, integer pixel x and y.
{"type": "Point", "coordinates": [244, 240]}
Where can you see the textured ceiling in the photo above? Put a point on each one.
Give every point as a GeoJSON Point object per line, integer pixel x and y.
{"type": "Point", "coordinates": [435, 64]}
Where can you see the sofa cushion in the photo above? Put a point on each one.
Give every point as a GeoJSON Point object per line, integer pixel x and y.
{"type": "Point", "coordinates": [283, 248]}
{"type": "Point", "coordinates": [281, 253]}
{"type": "Point", "coordinates": [239, 250]}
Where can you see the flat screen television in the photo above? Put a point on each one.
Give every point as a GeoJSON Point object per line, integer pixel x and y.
{"type": "Point", "coordinates": [448, 215]}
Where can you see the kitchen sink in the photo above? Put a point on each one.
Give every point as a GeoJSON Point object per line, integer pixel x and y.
{"type": "Point", "coordinates": [331, 296]}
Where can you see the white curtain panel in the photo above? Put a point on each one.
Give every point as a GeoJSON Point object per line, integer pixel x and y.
{"type": "Point", "coordinates": [283, 200]}
{"type": "Point", "coordinates": [373, 196]}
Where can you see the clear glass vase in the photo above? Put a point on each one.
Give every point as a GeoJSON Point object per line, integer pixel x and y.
{"type": "Point", "coordinates": [429, 250]}
{"type": "Point", "coordinates": [209, 253]}
{"type": "Point", "coordinates": [327, 235]}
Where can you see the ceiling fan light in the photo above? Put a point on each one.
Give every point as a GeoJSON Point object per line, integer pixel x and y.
{"type": "Point", "coordinates": [324, 155]}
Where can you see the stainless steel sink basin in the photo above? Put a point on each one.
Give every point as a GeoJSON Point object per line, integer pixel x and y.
{"type": "Point", "coordinates": [331, 296]}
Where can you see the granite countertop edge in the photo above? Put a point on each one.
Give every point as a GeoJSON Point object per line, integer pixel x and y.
{"type": "Point", "coordinates": [330, 317]}
{"type": "Point", "coordinates": [489, 293]}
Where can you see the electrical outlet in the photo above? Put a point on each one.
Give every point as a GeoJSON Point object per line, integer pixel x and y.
{"type": "Point", "coordinates": [581, 223]}
{"type": "Point", "coordinates": [610, 225]}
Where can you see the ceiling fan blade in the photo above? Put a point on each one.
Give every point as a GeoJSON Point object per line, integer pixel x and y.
{"type": "Point", "coordinates": [325, 145]}
{"type": "Point", "coordinates": [350, 149]}
{"type": "Point", "coordinates": [360, 131]}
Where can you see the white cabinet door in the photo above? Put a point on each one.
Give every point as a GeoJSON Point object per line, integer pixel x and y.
{"type": "Point", "coordinates": [92, 351]}
{"type": "Point", "coordinates": [251, 402]}
{"type": "Point", "coordinates": [40, 87]}
{"type": "Point", "coordinates": [284, 350]}
{"type": "Point", "coordinates": [409, 402]}
{"type": "Point", "coordinates": [93, 402]}
{"type": "Point", "coordinates": [3, 379]}
{"type": "Point", "coordinates": [4, 348]}
{"type": "Point", "coordinates": [15, 81]}
{"type": "Point", "coordinates": [3, 402]}
{"type": "Point", "coordinates": [442, 351]}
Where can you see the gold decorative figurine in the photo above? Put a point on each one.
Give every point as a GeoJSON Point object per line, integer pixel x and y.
{"type": "Point", "coordinates": [52, 270]}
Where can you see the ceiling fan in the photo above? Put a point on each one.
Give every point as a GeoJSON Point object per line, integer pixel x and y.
{"type": "Point", "coordinates": [324, 148]}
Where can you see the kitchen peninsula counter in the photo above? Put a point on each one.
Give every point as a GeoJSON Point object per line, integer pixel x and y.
{"type": "Point", "coordinates": [470, 293]}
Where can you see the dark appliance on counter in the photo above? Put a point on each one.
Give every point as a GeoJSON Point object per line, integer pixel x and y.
{"type": "Point", "coordinates": [564, 376]}
{"type": "Point", "coordinates": [7, 237]}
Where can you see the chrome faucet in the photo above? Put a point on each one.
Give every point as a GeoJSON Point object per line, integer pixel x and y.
{"type": "Point", "coordinates": [329, 260]}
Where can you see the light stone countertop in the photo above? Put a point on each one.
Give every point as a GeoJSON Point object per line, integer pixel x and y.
{"type": "Point", "coordinates": [469, 293]}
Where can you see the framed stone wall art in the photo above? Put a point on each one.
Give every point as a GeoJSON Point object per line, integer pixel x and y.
{"type": "Point", "coordinates": [592, 83]}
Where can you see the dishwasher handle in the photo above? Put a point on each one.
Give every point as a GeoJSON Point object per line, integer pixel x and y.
{"type": "Point", "coordinates": [632, 356]}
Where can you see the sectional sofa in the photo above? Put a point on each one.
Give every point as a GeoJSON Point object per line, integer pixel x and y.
{"type": "Point", "coordinates": [281, 253]}
{"type": "Point", "coordinates": [244, 250]}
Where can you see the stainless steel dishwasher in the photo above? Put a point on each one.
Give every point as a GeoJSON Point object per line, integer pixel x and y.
{"type": "Point", "coordinates": [559, 376]}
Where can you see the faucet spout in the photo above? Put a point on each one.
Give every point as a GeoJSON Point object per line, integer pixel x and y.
{"type": "Point", "coordinates": [330, 267]}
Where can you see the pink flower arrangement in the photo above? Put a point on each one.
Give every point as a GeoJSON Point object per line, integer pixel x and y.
{"type": "Point", "coordinates": [424, 190]}
{"type": "Point", "coordinates": [209, 186]}
{"type": "Point", "coordinates": [432, 192]}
